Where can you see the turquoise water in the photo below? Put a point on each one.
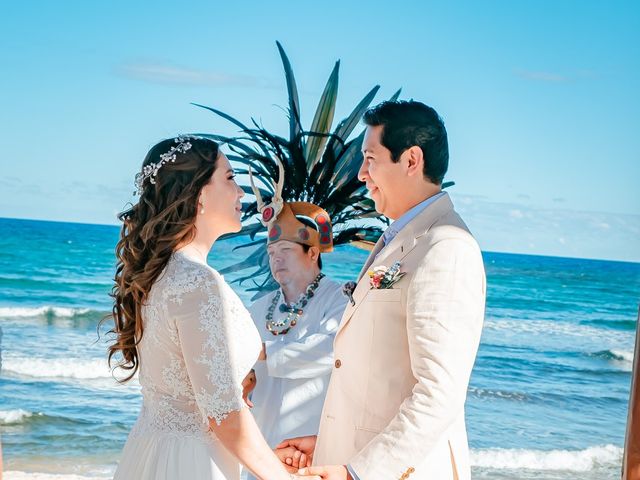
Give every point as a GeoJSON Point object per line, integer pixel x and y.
{"type": "Point", "coordinates": [548, 395]}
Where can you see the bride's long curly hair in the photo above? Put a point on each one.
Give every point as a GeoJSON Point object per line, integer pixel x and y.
{"type": "Point", "coordinates": [162, 220]}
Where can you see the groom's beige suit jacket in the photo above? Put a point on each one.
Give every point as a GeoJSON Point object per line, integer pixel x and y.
{"type": "Point", "coordinates": [403, 356]}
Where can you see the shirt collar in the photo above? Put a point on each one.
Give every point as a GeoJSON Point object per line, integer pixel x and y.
{"type": "Point", "coordinates": [393, 229]}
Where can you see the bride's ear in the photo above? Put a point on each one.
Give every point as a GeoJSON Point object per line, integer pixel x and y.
{"type": "Point", "coordinates": [201, 202]}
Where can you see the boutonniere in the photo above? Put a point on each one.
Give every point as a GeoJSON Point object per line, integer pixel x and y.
{"type": "Point", "coordinates": [382, 277]}
{"type": "Point", "coordinates": [347, 291]}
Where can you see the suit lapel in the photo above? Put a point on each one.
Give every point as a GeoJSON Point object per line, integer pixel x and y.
{"type": "Point", "coordinates": [374, 253]}
{"type": "Point", "coordinates": [362, 286]}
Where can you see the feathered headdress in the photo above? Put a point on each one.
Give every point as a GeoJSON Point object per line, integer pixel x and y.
{"type": "Point", "coordinates": [317, 166]}
{"type": "Point", "coordinates": [281, 218]}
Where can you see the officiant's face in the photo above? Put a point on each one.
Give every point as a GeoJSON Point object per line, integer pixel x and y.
{"type": "Point", "coordinates": [385, 179]}
{"type": "Point", "coordinates": [288, 261]}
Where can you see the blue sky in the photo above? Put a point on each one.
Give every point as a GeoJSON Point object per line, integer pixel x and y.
{"type": "Point", "coordinates": [540, 100]}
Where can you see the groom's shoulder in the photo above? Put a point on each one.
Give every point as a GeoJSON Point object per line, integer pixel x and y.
{"type": "Point", "coordinates": [450, 227]}
{"type": "Point", "coordinates": [440, 221]}
{"type": "Point", "coordinates": [446, 244]}
{"type": "Point", "coordinates": [447, 239]}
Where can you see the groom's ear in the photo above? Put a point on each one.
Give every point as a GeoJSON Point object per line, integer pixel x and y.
{"type": "Point", "coordinates": [415, 161]}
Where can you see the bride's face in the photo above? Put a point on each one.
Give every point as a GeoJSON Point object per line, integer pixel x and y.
{"type": "Point", "coordinates": [220, 199]}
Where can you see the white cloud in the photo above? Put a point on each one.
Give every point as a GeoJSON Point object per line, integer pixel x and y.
{"type": "Point", "coordinates": [556, 77]}
{"type": "Point", "coordinates": [519, 228]}
{"type": "Point", "coordinates": [17, 186]}
{"type": "Point", "coordinates": [540, 76]}
{"type": "Point", "coordinates": [161, 73]}
{"type": "Point", "coordinates": [516, 213]}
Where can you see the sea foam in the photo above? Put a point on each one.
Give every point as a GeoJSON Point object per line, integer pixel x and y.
{"type": "Point", "coordinates": [11, 417]}
{"type": "Point", "coordinates": [573, 460]}
{"type": "Point", "coordinates": [15, 475]}
{"type": "Point", "coordinates": [46, 310]}
{"type": "Point", "coordinates": [93, 373]}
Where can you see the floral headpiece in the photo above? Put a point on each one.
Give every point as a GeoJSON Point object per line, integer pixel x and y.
{"type": "Point", "coordinates": [151, 170]}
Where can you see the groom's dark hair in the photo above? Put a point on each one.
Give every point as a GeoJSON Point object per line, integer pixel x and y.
{"type": "Point", "coordinates": [409, 123]}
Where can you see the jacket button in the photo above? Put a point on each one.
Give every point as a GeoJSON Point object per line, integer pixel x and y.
{"type": "Point", "coordinates": [338, 363]}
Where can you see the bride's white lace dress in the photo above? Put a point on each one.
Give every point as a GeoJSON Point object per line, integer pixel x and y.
{"type": "Point", "coordinates": [198, 344]}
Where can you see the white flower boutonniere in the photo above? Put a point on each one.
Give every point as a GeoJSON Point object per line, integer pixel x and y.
{"type": "Point", "coordinates": [382, 277]}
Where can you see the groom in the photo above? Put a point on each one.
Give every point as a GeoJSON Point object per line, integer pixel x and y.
{"type": "Point", "coordinates": [403, 354]}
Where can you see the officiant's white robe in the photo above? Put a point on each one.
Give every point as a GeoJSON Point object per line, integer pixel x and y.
{"type": "Point", "coordinates": [292, 382]}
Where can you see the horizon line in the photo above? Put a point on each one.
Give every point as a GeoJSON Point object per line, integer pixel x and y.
{"type": "Point", "coordinates": [115, 225]}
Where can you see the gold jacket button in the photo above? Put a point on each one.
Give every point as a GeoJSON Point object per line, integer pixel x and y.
{"type": "Point", "coordinates": [411, 470]}
{"type": "Point", "coordinates": [338, 363]}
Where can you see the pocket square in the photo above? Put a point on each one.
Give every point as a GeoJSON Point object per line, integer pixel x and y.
{"type": "Point", "coordinates": [382, 277]}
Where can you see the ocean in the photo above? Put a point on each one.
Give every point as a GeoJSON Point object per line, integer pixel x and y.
{"type": "Point", "coordinates": [547, 399]}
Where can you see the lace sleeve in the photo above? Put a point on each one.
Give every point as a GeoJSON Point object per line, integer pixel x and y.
{"type": "Point", "coordinates": [204, 322]}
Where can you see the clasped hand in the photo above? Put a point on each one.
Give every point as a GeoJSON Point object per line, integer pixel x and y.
{"type": "Point", "coordinates": [297, 456]}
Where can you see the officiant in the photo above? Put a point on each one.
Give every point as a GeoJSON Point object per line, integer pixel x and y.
{"type": "Point", "coordinates": [297, 322]}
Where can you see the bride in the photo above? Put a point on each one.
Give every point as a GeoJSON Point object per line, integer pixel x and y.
{"type": "Point", "coordinates": [181, 327]}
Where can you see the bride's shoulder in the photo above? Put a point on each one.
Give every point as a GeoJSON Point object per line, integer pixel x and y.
{"type": "Point", "coordinates": [187, 274]}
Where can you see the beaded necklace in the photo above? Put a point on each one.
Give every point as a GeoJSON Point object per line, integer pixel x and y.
{"type": "Point", "coordinates": [293, 310]}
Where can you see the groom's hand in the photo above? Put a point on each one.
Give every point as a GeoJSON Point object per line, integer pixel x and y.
{"type": "Point", "coordinates": [327, 472]}
{"type": "Point", "coordinates": [303, 455]}
{"type": "Point", "coordinates": [248, 384]}
{"type": "Point", "coordinates": [287, 456]}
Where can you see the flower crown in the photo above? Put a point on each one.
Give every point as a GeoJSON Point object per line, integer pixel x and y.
{"type": "Point", "coordinates": [151, 170]}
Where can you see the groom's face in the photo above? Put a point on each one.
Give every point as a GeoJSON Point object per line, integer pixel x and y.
{"type": "Point", "coordinates": [385, 179]}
